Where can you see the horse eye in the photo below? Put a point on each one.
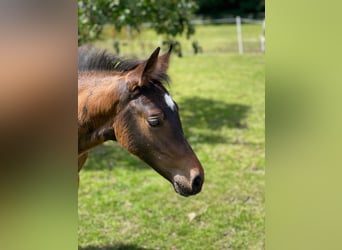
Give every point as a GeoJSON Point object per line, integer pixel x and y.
{"type": "Point", "coordinates": [153, 121]}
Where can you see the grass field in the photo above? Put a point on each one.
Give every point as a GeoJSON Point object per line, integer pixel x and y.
{"type": "Point", "coordinates": [124, 204]}
{"type": "Point", "coordinates": [212, 39]}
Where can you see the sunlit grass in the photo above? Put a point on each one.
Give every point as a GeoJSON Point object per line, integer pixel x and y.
{"type": "Point", "coordinates": [124, 204]}
{"type": "Point", "coordinates": [212, 39]}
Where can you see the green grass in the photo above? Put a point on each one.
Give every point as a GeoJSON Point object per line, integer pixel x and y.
{"type": "Point", "coordinates": [212, 38]}
{"type": "Point", "coordinates": [124, 204]}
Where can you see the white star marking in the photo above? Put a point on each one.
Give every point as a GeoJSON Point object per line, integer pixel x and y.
{"type": "Point", "coordinates": [169, 102]}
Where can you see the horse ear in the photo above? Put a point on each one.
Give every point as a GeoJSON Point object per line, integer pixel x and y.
{"type": "Point", "coordinates": [135, 78]}
{"type": "Point", "coordinates": [144, 71]}
{"type": "Point", "coordinates": [150, 64]}
{"type": "Point", "coordinates": [163, 61]}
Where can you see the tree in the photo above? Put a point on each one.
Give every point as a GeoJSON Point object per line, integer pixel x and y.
{"type": "Point", "coordinates": [219, 8]}
{"type": "Point", "coordinates": [167, 17]}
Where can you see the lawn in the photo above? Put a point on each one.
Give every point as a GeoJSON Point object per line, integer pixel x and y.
{"type": "Point", "coordinates": [124, 204]}
{"type": "Point", "coordinates": [212, 38]}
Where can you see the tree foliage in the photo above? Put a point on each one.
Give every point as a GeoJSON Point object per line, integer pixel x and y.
{"type": "Point", "coordinates": [217, 8]}
{"type": "Point", "coordinates": [168, 17]}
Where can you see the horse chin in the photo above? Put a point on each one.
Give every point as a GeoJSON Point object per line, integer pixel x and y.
{"type": "Point", "coordinates": [179, 188]}
{"type": "Point", "coordinates": [182, 186]}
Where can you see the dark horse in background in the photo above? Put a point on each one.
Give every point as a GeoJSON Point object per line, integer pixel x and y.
{"type": "Point", "coordinates": [126, 101]}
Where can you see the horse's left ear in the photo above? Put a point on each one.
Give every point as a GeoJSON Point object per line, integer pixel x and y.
{"type": "Point", "coordinates": [144, 72]}
{"type": "Point", "coordinates": [154, 62]}
{"type": "Point", "coordinates": [163, 61]}
{"type": "Point", "coordinates": [150, 65]}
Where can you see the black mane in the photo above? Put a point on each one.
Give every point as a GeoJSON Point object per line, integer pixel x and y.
{"type": "Point", "coordinates": [90, 58]}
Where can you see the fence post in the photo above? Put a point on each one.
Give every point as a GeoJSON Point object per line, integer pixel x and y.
{"type": "Point", "coordinates": [239, 34]}
{"type": "Point", "coordinates": [263, 38]}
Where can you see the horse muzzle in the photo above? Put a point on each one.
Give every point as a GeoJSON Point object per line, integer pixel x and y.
{"type": "Point", "coordinates": [186, 188]}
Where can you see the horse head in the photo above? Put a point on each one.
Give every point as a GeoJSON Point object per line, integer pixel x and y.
{"type": "Point", "coordinates": [148, 125]}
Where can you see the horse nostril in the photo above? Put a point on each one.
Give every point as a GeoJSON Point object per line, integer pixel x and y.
{"type": "Point", "coordinates": [197, 184]}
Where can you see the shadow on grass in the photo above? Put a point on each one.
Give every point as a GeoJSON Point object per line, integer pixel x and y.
{"type": "Point", "coordinates": [115, 247]}
{"type": "Point", "coordinates": [111, 155]}
{"type": "Point", "coordinates": [202, 118]}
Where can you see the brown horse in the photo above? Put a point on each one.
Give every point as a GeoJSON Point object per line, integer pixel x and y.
{"type": "Point", "coordinates": [126, 101]}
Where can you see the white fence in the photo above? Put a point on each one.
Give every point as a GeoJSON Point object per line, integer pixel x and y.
{"type": "Point", "coordinates": [238, 21]}
{"type": "Point", "coordinates": [241, 39]}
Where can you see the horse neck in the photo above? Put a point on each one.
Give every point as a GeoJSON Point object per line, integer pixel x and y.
{"type": "Point", "coordinates": [99, 94]}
